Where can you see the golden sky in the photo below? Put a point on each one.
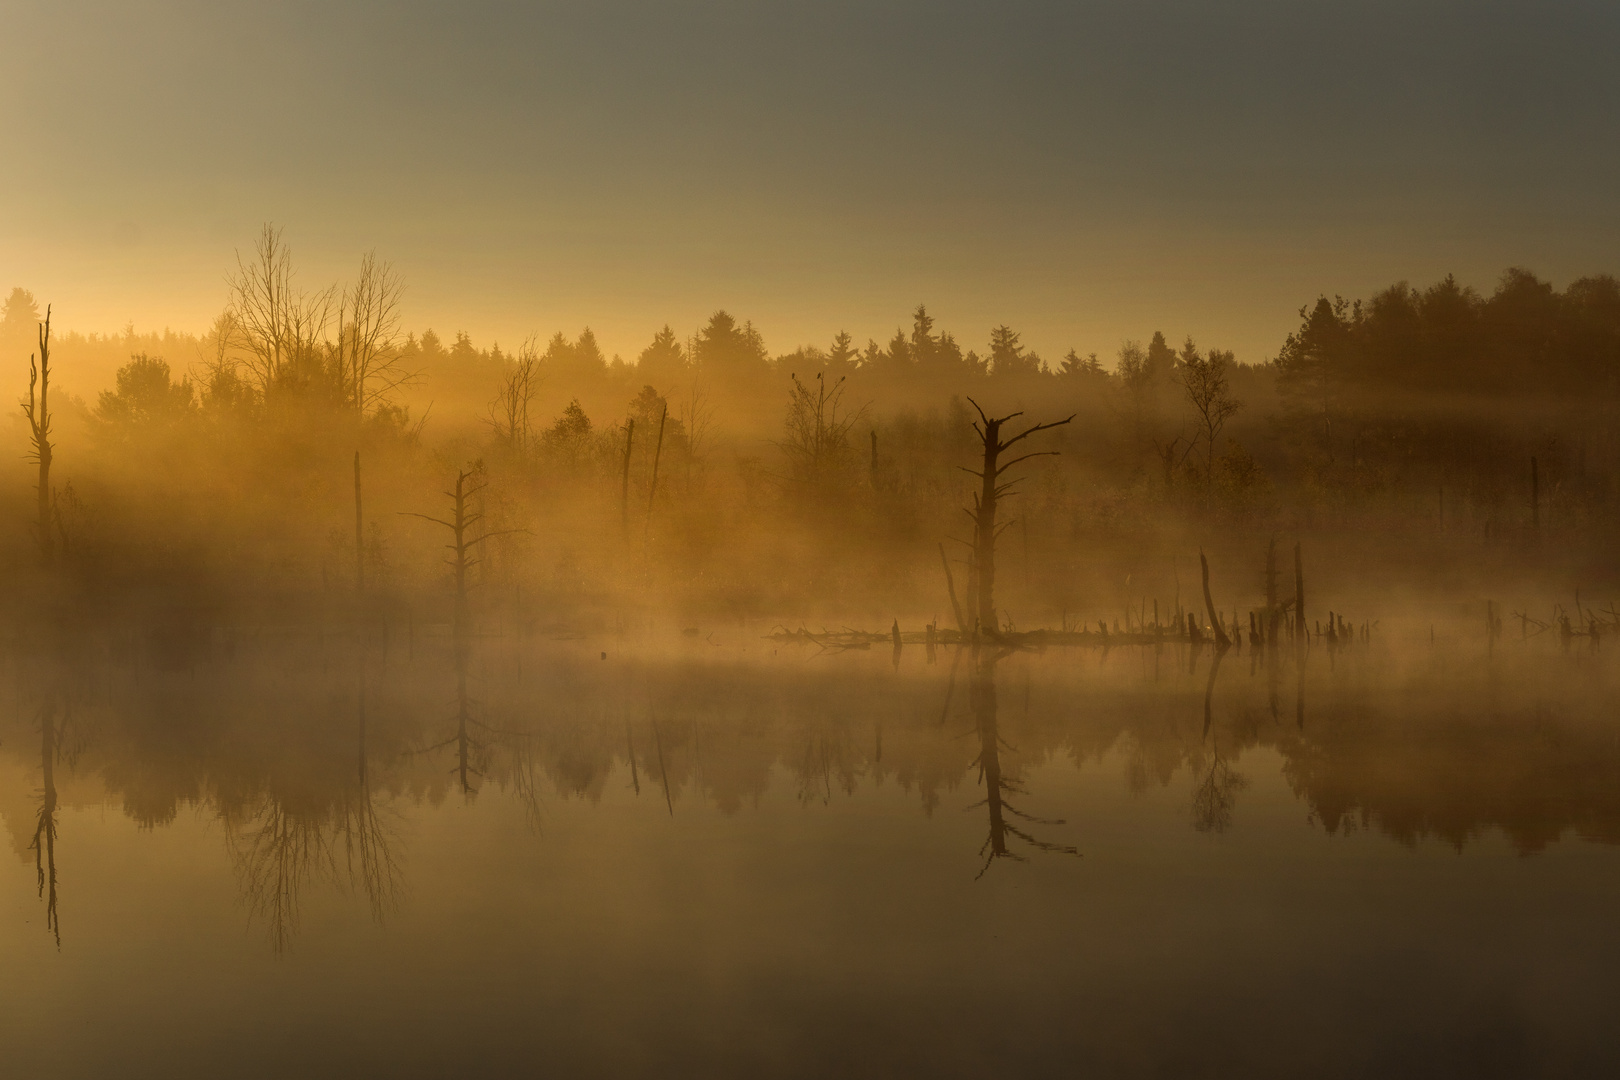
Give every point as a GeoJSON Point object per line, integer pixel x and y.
{"type": "Point", "coordinates": [1084, 172]}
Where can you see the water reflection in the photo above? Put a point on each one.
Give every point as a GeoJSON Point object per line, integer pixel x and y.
{"type": "Point", "coordinates": [44, 844]}
{"type": "Point", "coordinates": [998, 785]}
{"type": "Point", "coordinates": [314, 753]}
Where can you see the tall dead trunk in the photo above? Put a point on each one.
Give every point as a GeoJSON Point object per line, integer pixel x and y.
{"type": "Point", "coordinates": [624, 491]}
{"type": "Point", "coordinates": [39, 423]}
{"type": "Point", "coordinates": [991, 489]}
{"type": "Point", "coordinates": [359, 533]}
{"type": "Point", "coordinates": [1221, 640]}
{"type": "Point", "coordinates": [1535, 496]}
{"type": "Point", "coordinates": [950, 585]}
{"type": "Point", "coordinates": [1273, 601]}
{"type": "Point", "coordinates": [461, 546]}
{"type": "Point", "coordinates": [658, 452]}
{"type": "Point", "coordinates": [1299, 594]}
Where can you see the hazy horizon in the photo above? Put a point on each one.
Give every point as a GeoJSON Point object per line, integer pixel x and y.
{"type": "Point", "coordinates": [1082, 174]}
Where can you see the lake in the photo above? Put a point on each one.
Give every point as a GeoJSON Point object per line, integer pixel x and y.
{"type": "Point", "coordinates": [277, 853]}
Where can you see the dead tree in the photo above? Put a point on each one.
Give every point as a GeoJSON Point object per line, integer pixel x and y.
{"type": "Point", "coordinates": [359, 534]}
{"type": "Point", "coordinates": [509, 412]}
{"type": "Point", "coordinates": [1274, 605]}
{"type": "Point", "coordinates": [652, 486]}
{"type": "Point", "coordinates": [950, 585]}
{"type": "Point", "coordinates": [624, 490]}
{"type": "Point", "coordinates": [39, 425]}
{"type": "Point", "coordinates": [1535, 496]}
{"type": "Point", "coordinates": [1222, 642]}
{"type": "Point", "coordinates": [461, 524]}
{"type": "Point", "coordinates": [372, 361]}
{"type": "Point", "coordinates": [1299, 594]}
{"type": "Point", "coordinates": [992, 489]}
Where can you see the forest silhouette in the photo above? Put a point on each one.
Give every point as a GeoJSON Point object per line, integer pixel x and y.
{"type": "Point", "coordinates": [211, 472]}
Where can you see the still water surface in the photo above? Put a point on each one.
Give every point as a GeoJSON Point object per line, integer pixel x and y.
{"type": "Point", "coordinates": [282, 855]}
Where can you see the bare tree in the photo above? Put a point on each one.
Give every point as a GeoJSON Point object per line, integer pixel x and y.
{"type": "Point", "coordinates": [369, 357]}
{"type": "Point", "coordinates": [279, 328]}
{"type": "Point", "coordinates": [696, 415]}
{"type": "Point", "coordinates": [509, 412]}
{"type": "Point", "coordinates": [986, 501]}
{"type": "Point", "coordinates": [818, 427]}
{"type": "Point", "coordinates": [39, 426]}
{"type": "Point", "coordinates": [469, 482]}
{"type": "Point", "coordinates": [1204, 378]}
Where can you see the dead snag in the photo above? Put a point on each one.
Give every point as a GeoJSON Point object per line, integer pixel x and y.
{"type": "Point", "coordinates": [950, 585]}
{"type": "Point", "coordinates": [359, 533]}
{"type": "Point", "coordinates": [986, 501]}
{"type": "Point", "coordinates": [39, 424]}
{"type": "Point", "coordinates": [652, 487]}
{"type": "Point", "coordinates": [1221, 640]}
{"type": "Point", "coordinates": [460, 525]}
{"type": "Point", "coordinates": [624, 491]}
{"type": "Point", "coordinates": [1299, 593]}
{"type": "Point", "coordinates": [1273, 615]}
{"type": "Point", "coordinates": [1535, 496]}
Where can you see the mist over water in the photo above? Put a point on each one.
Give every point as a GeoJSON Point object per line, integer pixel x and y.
{"type": "Point", "coordinates": [380, 703]}
{"type": "Point", "coordinates": [283, 852]}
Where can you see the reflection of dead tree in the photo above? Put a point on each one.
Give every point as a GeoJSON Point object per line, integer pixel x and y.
{"type": "Point", "coordinates": [44, 844]}
{"type": "Point", "coordinates": [663, 769]}
{"type": "Point", "coordinates": [367, 839]}
{"type": "Point", "coordinates": [1215, 794]}
{"type": "Point", "coordinates": [1215, 790]}
{"type": "Point", "coordinates": [985, 502]}
{"type": "Point", "coordinates": [285, 849]}
{"type": "Point", "coordinates": [997, 785]}
{"type": "Point", "coordinates": [278, 857]}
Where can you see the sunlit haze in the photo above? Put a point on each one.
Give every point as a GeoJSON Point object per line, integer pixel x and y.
{"type": "Point", "coordinates": [1083, 172]}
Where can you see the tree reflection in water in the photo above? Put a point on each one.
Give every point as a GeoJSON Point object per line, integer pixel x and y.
{"type": "Point", "coordinates": [1215, 782]}
{"type": "Point", "coordinates": [997, 784]}
{"type": "Point", "coordinates": [308, 772]}
{"type": "Point", "coordinates": [44, 845]}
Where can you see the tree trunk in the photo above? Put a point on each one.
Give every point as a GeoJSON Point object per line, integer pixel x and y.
{"type": "Point", "coordinates": [359, 533]}
{"type": "Point", "coordinates": [984, 540]}
{"type": "Point", "coordinates": [652, 488]}
{"type": "Point", "coordinates": [1221, 640]}
{"type": "Point", "coordinates": [624, 492]}
{"type": "Point", "coordinates": [1299, 593]}
{"type": "Point", "coordinates": [950, 585]}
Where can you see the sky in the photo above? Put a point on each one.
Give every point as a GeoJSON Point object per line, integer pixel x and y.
{"type": "Point", "coordinates": [1085, 172]}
